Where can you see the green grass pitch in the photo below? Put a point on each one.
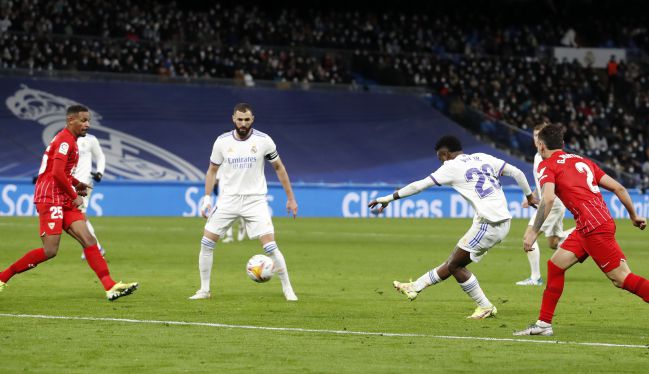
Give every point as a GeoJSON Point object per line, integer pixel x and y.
{"type": "Point", "coordinates": [342, 270]}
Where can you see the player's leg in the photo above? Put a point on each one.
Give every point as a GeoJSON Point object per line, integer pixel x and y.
{"type": "Point", "coordinates": [216, 226]}
{"type": "Point", "coordinates": [565, 257]}
{"type": "Point", "coordinates": [607, 254]}
{"type": "Point", "coordinates": [75, 225]}
{"type": "Point", "coordinates": [258, 222]}
{"type": "Point", "coordinates": [229, 236]}
{"type": "Point", "coordinates": [272, 250]}
{"type": "Point", "coordinates": [51, 227]}
{"type": "Point", "coordinates": [83, 208]}
{"type": "Point", "coordinates": [534, 258]}
{"type": "Point", "coordinates": [439, 273]}
{"type": "Point", "coordinates": [241, 234]}
{"type": "Point", "coordinates": [32, 258]}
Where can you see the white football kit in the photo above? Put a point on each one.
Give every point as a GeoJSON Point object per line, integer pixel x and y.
{"type": "Point", "coordinates": [89, 150]}
{"type": "Point", "coordinates": [242, 184]}
{"type": "Point", "coordinates": [476, 178]}
{"type": "Point", "coordinates": [553, 224]}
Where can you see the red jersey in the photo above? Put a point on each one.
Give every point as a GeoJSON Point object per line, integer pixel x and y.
{"type": "Point", "coordinates": [576, 181]}
{"type": "Point", "coordinates": [48, 189]}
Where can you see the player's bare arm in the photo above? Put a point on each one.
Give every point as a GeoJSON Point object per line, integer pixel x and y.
{"type": "Point", "coordinates": [544, 208]}
{"type": "Point", "coordinates": [282, 175]}
{"type": "Point", "coordinates": [614, 186]}
{"type": "Point", "coordinates": [210, 181]}
{"type": "Point", "coordinates": [409, 190]}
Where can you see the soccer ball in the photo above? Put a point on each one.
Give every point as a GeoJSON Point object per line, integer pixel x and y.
{"type": "Point", "coordinates": [260, 268]}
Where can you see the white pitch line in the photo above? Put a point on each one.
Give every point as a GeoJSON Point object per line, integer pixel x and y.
{"type": "Point", "coordinates": [322, 331]}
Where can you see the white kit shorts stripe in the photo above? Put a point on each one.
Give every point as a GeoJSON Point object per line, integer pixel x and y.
{"type": "Point", "coordinates": [483, 235]}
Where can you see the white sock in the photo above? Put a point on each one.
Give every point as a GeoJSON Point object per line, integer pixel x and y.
{"type": "Point", "coordinates": [205, 260]}
{"type": "Point", "coordinates": [472, 288]}
{"type": "Point", "coordinates": [92, 232]}
{"type": "Point", "coordinates": [543, 323]}
{"type": "Point", "coordinates": [427, 279]}
{"type": "Point", "coordinates": [273, 251]}
{"type": "Point", "coordinates": [534, 257]}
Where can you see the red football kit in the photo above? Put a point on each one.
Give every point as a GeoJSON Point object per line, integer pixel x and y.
{"type": "Point", "coordinates": [576, 182]}
{"type": "Point", "coordinates": [54, 191]}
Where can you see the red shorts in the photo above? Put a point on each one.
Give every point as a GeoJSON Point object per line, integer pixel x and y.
{"type": "Point", "coordinates": [56, 218]}
{"type": "Point", "coordinates": [600, 244]}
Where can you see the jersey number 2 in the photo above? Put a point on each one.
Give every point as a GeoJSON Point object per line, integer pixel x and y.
{"type": "Point", "coordinates": [484, 173]}
{"type": "Point", "coordinates": [590, 178]}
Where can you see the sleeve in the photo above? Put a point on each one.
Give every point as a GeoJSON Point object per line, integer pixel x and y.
{"type": "Point", "coordinates": [545, 173]}
{"type": "Point", "coordinates": [58, 172]}
{"type": "Point", "coordinates": [61, 150]}
{"type": "Point", "coordinates": [443, 175]}
{"type": "Point", "coordinates": [597, 171]}
{"type": "Point", "coordinates": [217, 153]}
{"type": "Point", "coordinates": [98, 155]}
{"type": "Point", "coordinates": [519, 176]}
{"type": "Point", "coordinates": [271, 151]}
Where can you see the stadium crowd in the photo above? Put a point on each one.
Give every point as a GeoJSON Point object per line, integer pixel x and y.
{"type": "Point", "coordinates": [484, 60]}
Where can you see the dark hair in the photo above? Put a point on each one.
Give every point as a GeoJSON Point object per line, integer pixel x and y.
{"type": "Point", "coordinates": [76, 109]}
{"type": "Point", "coordinates": [449, 142]}
{"type": "Point", "coordinates": [242, 107]}
{"type": "Point", "coordinates": [552, 136]}
{"type": "Point", "coordinates": [540, 126]}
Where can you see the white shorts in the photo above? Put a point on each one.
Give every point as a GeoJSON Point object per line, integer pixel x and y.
{"type": "Point", "coordinates": [483, 235]}
{"type": "Point", "coordinates": [252, 208]}
{"type": "Point", "coordinates": [553, 225]}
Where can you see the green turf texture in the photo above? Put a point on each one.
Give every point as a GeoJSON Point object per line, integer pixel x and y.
{"type": "Point", "coordinates": [342, 270]}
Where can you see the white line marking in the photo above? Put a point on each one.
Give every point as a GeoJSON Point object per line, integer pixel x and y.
{"type": "Point", "coordinates": [319, 331]}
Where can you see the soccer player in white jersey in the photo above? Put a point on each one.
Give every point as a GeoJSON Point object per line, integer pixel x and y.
{"type": "Point", "coordinates": [475, 177]}
{"type": "Point", "coordinates": [552, 226]}
{"type": "Point", "coordinates": [89, 150]}
{"type": "Point", "coordinates": [241, 154]}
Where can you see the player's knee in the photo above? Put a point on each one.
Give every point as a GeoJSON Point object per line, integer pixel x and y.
{"type": "Point", "coordinates": [51, 252]}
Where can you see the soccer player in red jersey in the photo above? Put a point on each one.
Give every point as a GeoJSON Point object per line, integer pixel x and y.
{"type": "Point", "coordinates": [576, 181]}
{"type": "Point", "coordinates": [57, 203]}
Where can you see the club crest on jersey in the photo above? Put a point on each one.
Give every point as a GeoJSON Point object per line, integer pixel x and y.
{"type": "Point", "coordinates": [63, 148]}
{"type": "Point", "coordinates": [50, 225]}
{"type": "Point", "coordinates": [253, 149]}
{"type": "Point", "coordinates": [230, 150]}
{"type": "Point", "coordinates": [127, 157]}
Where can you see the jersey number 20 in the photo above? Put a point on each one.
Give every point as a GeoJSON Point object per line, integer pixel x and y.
{"type": "Point", "coordinates": [485, 172]}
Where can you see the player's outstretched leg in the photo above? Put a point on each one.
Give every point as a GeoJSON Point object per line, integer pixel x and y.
{"type": "Point", "coordinates": [29, 261]}
{"type": "Point", "coordinates": [412, 289]}
{"type": "Point", "coordinates": [533, 257]}
{"type": "Point", "coordinates": [273, 251]}
{"type": "Point", "coordinates": [205, 261]}
{"type": "Point", "coordinates": [241, 234]}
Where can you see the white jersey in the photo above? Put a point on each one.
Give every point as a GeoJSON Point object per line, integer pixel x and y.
{"type": "Point", "coordinates": [242, 162]}
{"type": "Point", "coordinates": [89, 150]}
{"type": "Point", "coordinates": [537, 161]}
{"type": "Point", "coordinates": [475, 177]}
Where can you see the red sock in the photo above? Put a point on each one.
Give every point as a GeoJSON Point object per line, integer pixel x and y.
{"type": "Point", "coordinates": [28, 261]}
{"type": "Point", "coordinates": [552, 293]}
{"type": "Point", "coordinates": [637, 285]}
{"type": "Point", "coordinates": [98, 264]}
